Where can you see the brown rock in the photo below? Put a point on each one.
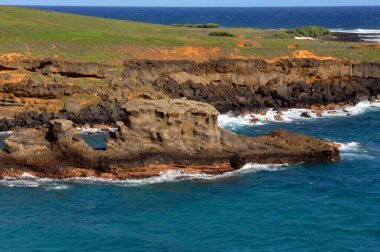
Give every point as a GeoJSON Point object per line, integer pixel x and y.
{"type": "Point", "coordinates": [305, 115]}
{"type": "Point", "coordinates": [278, 116]}
{"type": "Point", "coordinates": [156, 136]}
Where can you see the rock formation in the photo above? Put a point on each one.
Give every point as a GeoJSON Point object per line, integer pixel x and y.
{"type": "Point", "coordinates": [239, 85]}
{"type": "Point", "coordinates": [155, 136]}
{"type": "Point", "coordinates": [235, 85]}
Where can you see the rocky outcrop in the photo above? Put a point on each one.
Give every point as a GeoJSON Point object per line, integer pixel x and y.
{"type": "Point", "coordinates": [103, 113]}
{"type": "Point", "coordinates": [26, 77]}
{"type": "Point", "coordinates": [227, 84]}
{"type": "Point", "coordinates": [155, 136]}
{"type": "Point", "coordinates": [238, 85]}
{"type": "Point", "coordinates": [55, 66]}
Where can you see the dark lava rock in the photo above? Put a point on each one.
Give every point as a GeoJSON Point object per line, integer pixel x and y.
{"type": "Point", "coordinates": [305, 115]}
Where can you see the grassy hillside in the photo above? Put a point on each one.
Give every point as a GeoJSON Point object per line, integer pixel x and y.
{"type": "Point", "coordinates": [51, 34]}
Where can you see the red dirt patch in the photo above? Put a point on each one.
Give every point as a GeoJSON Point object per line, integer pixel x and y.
{"type": "Point", "coordinates": [240, 43]}
{"type": "Point", "coordinates": [200, 54]}
{"type": "Point", "coordinates": [292, 46]}
{"type": "Point", "coordinates": [47, 22]}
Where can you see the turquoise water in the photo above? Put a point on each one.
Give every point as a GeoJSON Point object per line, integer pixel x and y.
{"type": "Point", "coordinates": [318, 207]}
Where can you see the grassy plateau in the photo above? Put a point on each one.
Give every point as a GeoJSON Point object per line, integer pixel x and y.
{"type": "Point", "coordinates": [40, 33]}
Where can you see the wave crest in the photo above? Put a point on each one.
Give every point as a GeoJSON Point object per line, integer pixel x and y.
{"type": "Point", "coordinates": [292, 115]}
{"type": "Point", "coordinates": [28, 180]}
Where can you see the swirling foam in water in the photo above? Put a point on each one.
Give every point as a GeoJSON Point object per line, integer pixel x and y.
{"type": "Point", "coordinates": [353, 150]}
{"type": "Point", "coordinates": [176, 175]}
{"type": "Point", "coordinates": [27, 180]}
{"type": "Point", "coordinates": [291, 115]}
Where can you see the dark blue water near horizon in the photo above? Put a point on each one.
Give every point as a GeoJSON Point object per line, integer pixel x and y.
{"type": "Point", "coordinates": [316, 207]}
{"type": "Point", "coordinates": [367, 17]}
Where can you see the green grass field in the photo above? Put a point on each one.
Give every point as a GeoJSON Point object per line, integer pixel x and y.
{"type": "Point", "coordinates": [50, 34]}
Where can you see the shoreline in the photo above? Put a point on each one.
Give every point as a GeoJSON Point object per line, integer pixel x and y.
{"type": "Point", "coordinates": [157, 136]}
{"type": "Point", "coordinates": [257, 117]}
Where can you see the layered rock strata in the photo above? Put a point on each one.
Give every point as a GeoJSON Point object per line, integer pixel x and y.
{"type": "Point", "coordinates": [155, 136]}
{"type": "Point", "coordinates": [228, 84]}
{"type": "Point", "coordinates": [239, 85]}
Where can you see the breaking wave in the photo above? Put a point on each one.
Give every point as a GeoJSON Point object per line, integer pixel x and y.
{"type": "Point", "coordinates": [27, 180]}
{"type": "Point", "coordinates": [365, 34]}
{"type": "Point", "coordinates": [5, 133]}
{"type": "Point", "coordinates": [358, 31]}
{"type": "Point", "coordinates": [353, 150]}
{"type": "Point", "coordinates": [30, 181]}
{"type": "Point", "coordinates": [292, 115]}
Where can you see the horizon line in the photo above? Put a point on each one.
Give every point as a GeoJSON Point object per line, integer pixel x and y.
{"type": "Point", "coordinates": [150, 6]}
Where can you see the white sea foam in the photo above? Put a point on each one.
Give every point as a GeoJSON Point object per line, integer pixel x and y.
{"type": "Point", "coordinates": [89, 131]}
{"type": "Point", "coordinates": [27, 180]}
{"type": "Point", "coordinates": [177, 175]}
{"type": "Point", "coordinates": [5, 133]}
{"type": "Point", "coordinates": [293, 115]}
{"type": "Point", "coordinates": [365, 34]}
{"type": "Point", "coordinates": [30, 181]}
{"type": "Point", "coordinates": [372, 39]}
{"type": "Point", "coordinates": [358, 31]}
{"type": "Point", "coordinates": [94, 131]}
{"type": "Point", "coordinates": [349, 147]}
{"type": "Point", "coordinates": [353, 150]}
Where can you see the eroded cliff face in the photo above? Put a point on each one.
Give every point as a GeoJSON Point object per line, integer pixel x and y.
{"type": "Point", "coordinates": [35, 91]}
{"type": "Point", "coordinates": [172, 125]}
{"type": "Point", "coordinates": [155, 136]}
{"type": "Point", "coordinates": [232, 85]}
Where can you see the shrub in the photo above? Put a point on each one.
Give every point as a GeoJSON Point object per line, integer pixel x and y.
{"type": "Point", "coordinates": [208, 25]}
{"type": "Point", "coordinates": [304, 31]}
{"type": "Point", "coordinates": [221, 34]}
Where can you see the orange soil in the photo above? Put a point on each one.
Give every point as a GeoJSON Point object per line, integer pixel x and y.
{"type": "Point", "coordinates": [240, 43]}
{"type": "Point", "coordinates": [47, 22]}
{"type": "Point", "coordinates": [301, 54]}
{"type": "Point", "coordinates": [364, 46]}
{"type": "Point", "coordinates": [179, 53]}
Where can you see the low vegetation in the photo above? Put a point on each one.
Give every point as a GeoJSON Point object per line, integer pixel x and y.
{"type": "Point", "coordinates": [38, 33]}
{"type": "Point", "coordinates": [304, 31]}
{"type": "Point", "coordinates": [208, 25]}
{"type": "Point", "coordinates": [221, 34]}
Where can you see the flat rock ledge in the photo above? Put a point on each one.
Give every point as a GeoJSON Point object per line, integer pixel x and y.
{"type": "Point", "coordinates": [154, 137]}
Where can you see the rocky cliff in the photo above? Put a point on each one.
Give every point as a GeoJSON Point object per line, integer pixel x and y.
{"type": "Point", "coordinates": [155, 136]}
{"type": "Point", "coordinates": [35, 91]}
{"type": "Point", "coordinates": [236, 85]}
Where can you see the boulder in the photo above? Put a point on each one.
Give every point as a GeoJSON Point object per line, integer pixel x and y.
{"type": "Point", "coordinates": [61, 130]}
{"type": "Point", "coordinates": [181, 125]}
{"type": "Point", "coordinates": [305, 115]}
{"type": "Point", "coordinates": [72, 107]}
{"type": "Point", "coordinates": [26, 142]}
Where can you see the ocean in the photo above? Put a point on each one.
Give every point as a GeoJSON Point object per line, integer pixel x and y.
{"type": "Point", "coordinates": [345, 18]}
{"type": "Point", "coordinates": [305, 207]}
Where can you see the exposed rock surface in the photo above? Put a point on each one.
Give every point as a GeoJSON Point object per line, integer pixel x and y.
{"type": "Point", "coordinates": [155, 136]}
{"type": "Point", "coordinates": [232, 85]}
{"type": "Point", "coordinates": [227, 84]}
{"type": "Point", "coordinates": [104, 112]}
{"type": "Point", "coordinates": [55, 66]}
